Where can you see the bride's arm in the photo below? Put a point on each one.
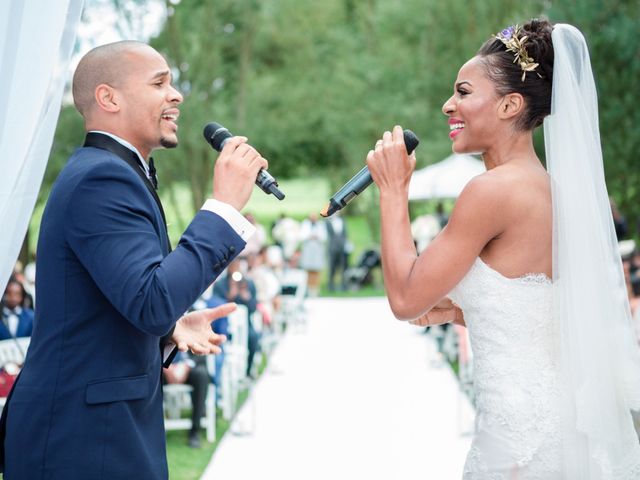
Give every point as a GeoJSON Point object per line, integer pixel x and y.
{"type": "Point", "coordinates": [415, 284]}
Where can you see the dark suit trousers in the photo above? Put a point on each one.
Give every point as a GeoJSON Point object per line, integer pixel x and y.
{"type": "Point", "coordinates": [199, 379]}
{"type": "Point", "coordinates": [337, 265]}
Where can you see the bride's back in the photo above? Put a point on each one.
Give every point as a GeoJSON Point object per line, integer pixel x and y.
{"type": "Point", "coordinates": [524, 246]}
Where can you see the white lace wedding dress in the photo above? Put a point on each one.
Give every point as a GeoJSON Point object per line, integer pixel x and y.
{"type": "Point", "coordinates": [518, 430]}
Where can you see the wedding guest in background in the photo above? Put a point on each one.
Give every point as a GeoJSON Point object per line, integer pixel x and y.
{"type": "Point", "coordinates": [17, 319]}
{"type": "Point", "coordinates": [313, 235]}
{"type": "Point", "coordinates": [338, 250]}
{"type": "Point", "coordinates": [236, 287]}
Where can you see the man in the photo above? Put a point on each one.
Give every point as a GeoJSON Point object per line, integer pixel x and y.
{"type": "Point", "coordinates": [88, 402]}
{"type": "Point", "coordinates": [17, 320]}
{"type": "Point", "coordinates": [236, 287]}
{"type": "Point", "coordinates": [338, 249]}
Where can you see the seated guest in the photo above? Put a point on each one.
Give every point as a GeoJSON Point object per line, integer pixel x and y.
{"type": "Point", "coordinates": [234, 286]}
{"type": "Point", "coordinates": [191, 370]}
{"type": "Point", "coordinates": [267, 284]}
{"type": "Point", "coordinates": [17, 319]}
{"type": "Point", "coordinates": [19, 276]}
{"type": "Point", "coordinates": [257, 240]}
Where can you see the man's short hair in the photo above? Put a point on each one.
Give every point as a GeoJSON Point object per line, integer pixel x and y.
{"type": "Point", "coordinates": [104, 64]}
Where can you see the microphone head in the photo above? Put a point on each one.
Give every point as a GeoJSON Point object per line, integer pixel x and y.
{"type": "Point", "coordinates": [216, 134]}
{"type": "Point", "coordinates": [411, 141]}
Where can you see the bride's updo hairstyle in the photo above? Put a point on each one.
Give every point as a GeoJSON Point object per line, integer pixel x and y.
{"type": "Point", "coordinates": [510, 77]}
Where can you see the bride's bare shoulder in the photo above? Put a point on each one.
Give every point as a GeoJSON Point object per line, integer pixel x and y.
{"type": "Point", "coordinates": [501, 193]}
{"type": "Point", "coordinates": [502, 186]}
{"type": "Point", "coordinates": [480, 205]}
{"type": "Point", "coordinates": [487, 189]}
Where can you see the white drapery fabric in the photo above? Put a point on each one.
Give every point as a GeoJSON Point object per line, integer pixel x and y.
{"type": "Point", "coordinates": [599, 356]}
{"type": "Point", "coordinates": [36, 42]}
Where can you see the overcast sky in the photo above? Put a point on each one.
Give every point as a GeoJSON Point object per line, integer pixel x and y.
{"type": "Point", "coordinates": [101, 23]}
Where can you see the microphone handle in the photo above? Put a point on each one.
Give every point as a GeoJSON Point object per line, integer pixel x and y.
{"type": "Point", "coordinates": [264, 180]}
{"type": "Point", "coordinates": [362, 179]}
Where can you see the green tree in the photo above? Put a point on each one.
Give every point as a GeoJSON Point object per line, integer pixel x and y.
{"type": "Point", "coordinates": [314, 84]}
{"type": "Point", "coordinates": [611, 28]}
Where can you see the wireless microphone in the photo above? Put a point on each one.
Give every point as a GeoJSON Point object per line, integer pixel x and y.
{"type": "Point", "coordinates": [362, 180]}
{"type": "Point", "coordinates": [217, 136]}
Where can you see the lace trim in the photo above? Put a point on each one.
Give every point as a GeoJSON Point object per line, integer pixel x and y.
{"type": "Point", "coordinates": [528, 278]}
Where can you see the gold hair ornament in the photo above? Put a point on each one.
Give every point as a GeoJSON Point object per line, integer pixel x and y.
{"type": "Point", "coordinates": [514, 43]}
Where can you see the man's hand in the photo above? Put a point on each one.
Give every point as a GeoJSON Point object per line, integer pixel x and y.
{"type": "Point", "coordinates": [444, 312]}
{"type": "Point", "coordinates": [235, 172]}
{"type": "Point", "coordinates": [193, 331]}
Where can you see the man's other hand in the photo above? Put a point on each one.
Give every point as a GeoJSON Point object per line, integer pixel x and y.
{"type": "Point", "coordinates": [193, 331]}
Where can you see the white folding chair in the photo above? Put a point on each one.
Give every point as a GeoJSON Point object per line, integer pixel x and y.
{"type": "Point", "coordinates": [294, 292]}
{"type": "Point", "coordinates": [235, 361]}
{"type": "Point", "coordinates": [177, 398]}
{"type": "Point", "coordinates": [14, 350]}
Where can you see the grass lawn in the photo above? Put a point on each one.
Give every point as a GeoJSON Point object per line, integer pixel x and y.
{"type": "Point", "coordinates": [186, 463]}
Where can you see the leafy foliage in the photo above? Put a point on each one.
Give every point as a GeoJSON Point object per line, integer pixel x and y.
{"type": "Point", "coordinates": [611, 28]}
{"type": "Point", "coordinates": [314, 84]}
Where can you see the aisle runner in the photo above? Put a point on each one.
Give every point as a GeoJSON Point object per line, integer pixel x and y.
{"type": "Point", "coordinates": [355, 395]}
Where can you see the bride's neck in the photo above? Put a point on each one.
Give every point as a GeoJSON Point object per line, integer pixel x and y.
{"type": "Point", "coordinates": [517, 147]}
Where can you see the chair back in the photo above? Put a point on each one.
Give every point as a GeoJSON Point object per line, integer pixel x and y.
{"type": "Point", "coordinates": [239, 327]}
{"type": "Point", "coordinates": [13, 350]}
{"type": "Point", "coordinates": [294, 280]}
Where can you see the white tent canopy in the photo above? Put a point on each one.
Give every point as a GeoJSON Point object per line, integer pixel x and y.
{"type": "Point", "coordinates": [444, 179]}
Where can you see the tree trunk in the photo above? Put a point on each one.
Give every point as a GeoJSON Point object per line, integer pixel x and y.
{"type": "Point", "coordinates": [244, 63]}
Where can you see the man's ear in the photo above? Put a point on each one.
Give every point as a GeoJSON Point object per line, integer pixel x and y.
{"type": "Point", "coordinates": [510, 106]}
{"type": "Point", "coordinates": [107, 98]}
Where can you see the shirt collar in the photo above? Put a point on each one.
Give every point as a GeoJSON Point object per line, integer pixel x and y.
{"type": "Point", "coordinates": [16, 311]}
{"type": "Point", "coordinates": [123, 142]}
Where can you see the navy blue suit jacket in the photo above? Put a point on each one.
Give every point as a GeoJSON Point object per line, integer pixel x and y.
{"type": "Point", "coordinates": [88, 402]}
{"type": "Point", "coordinates": [25, 325]}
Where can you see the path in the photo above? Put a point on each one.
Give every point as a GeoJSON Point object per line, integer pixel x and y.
{"type": "Point", "coordinates": [354, 395]}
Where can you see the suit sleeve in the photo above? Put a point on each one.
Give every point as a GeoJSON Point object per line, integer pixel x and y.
{"type": "Point", "coordinates": [113, 228]}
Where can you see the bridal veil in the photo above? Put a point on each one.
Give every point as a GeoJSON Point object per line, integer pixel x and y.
{"type": "Point", "coordinates": [600, 358]}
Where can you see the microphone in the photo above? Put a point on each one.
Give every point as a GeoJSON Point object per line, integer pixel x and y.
{"type": "Point", "coordinates": [362, 180]}
{"type": "Point", "coordinates": [217, 136]}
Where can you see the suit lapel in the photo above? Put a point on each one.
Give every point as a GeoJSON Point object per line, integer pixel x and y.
{"type": "Point", "coordinates": [105, 142]}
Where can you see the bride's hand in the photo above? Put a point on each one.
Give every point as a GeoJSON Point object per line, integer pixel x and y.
{"type": "Point", "coordinates": [389, 164]}
{"type": "Point", "coordinates": [445, 311]}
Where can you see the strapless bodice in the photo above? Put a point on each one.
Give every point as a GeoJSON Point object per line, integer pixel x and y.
{"type": "Point", "coordinates": [515, 360]}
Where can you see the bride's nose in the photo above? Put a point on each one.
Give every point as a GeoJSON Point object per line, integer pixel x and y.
{"type": "Point", "coordinates": [449, 107]}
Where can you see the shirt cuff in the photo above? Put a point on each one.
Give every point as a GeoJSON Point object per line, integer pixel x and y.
{"type": "Point", "coordinates": [233, 217]}
{"type": "Point", "coordinates": [168, 350]}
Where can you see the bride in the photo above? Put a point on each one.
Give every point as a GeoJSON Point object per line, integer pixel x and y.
{"type": "Point", "coordinates": [528, 262]}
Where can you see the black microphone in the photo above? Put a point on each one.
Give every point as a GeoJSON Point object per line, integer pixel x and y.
{"type": "Point", "coordinates": [217, 136]}
{"type": "Point", "coordinates": [362, 180]}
